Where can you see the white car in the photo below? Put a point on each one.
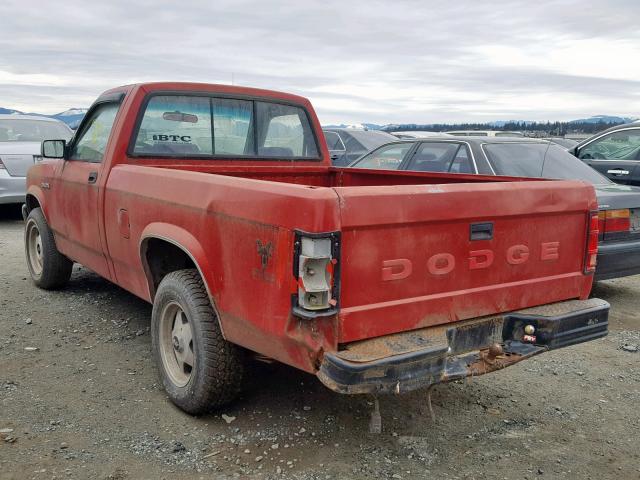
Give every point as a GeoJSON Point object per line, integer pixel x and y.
{"type": "Point", "coordinates": [417, 134]}
{"type": "Point", "coordinates": [20, 140]}
{"type": "Point", "coordinates": [485, 133]}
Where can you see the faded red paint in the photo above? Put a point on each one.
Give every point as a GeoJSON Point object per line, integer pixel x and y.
{"type": "Point", "coordinates": [217, 211]}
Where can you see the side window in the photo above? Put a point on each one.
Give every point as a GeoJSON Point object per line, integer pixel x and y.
{"type": "Point", "coordinates": [233, 126]}
{"type": "Point", "coordinates": [622, 145]}
{"type": "Point", "coordinates": [284, 131]}
{"type": "Point", "coordinates": [461, 162]}
{"type": "Point", "coordinates": [388, 157]}
{"type": "Point", "coordinates": [334, 143]}
{"type": "Point", "coordinates": [354, 146]}
{"type": "Point", "coordinates": [433, 157]}
{"type": "Point", "coordinates": [175, 125]}
{"type": "Point", "coordinates": [92, 142]}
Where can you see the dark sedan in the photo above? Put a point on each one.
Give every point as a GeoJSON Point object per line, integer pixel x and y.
{"type": "Point", "coordinates": [619, 249]}
{"type": "Point", "coordinates": [347, 144]}
{"type": "Point", "coordinates": [614, 153]}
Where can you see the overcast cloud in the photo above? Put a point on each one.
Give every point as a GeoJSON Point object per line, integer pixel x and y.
{"type": "Point", "coordinates": [358, 61]}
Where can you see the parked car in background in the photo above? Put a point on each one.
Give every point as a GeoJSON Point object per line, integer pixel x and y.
{"type": "Point", "coordinates": [614, 152]}
{"type": "Point", "coordinates": [417, 134]}
{"type": "Point", "coordinates": [484, 133]}
{"type": "Point", "coordinates": [619, 205]}
{"type": "Point", "coordinates": [20, 139]}
{"type": "Point", "coordinates": [347, 144]}
{"type": "Point", "coordinates": [566, 143]}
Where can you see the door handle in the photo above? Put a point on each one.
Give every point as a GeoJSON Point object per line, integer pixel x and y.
{"type": "Point", "coordinates": [93, 176]}
{"type": "Point", "coordinates": [618, 171]}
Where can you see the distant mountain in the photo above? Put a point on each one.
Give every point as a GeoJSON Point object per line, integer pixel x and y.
{"type": "Point", "coordinates": [360, 126]}
{"type": "Point", "coordinates": [603, 119]}
{"type": "Point", "coordinates": [71, 117]}
{"type": "Point", "coordinates": [8, 111]}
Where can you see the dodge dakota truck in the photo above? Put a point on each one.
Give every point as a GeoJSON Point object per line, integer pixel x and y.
{"type": "Point", "coordinates": [219, 205]}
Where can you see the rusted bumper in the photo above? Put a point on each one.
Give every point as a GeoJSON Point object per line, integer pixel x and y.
{"type": "Point", "coordinates": [409, 360]}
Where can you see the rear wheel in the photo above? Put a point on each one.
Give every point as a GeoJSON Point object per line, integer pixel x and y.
{"type": "Point", "coordinates": [49, 268]}
{"type": "Point", "coordinates": [199, 369]}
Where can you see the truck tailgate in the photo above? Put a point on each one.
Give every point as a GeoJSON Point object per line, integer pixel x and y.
{"type": "Point", "coordinates": [433, 254]}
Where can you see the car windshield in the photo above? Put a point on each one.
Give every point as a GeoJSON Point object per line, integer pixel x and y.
{"type": "Point", "coordinates": [545, 160]}
{"type": "Point", "coordinates": [20, 130]}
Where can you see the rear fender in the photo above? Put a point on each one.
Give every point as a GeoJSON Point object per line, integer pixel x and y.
{"type": "Point", "coordinates": [185, 241]}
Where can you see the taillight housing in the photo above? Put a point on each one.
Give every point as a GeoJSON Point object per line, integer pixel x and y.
{"type": "Point", "coordinates": [592, 243]}
{"type": "Point", "coordinates": [614, 221]}
{"type": "Point", "coordinates": [316, 268]}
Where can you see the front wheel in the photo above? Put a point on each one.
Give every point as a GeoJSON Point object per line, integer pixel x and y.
{"type": "Point", "coordinates": [199, 369]}
{"type": "Point", "coordinates": [49, 268]}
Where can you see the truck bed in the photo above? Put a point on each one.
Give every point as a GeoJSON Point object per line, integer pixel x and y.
{"type": "Point", "coordinates": [390, 222]}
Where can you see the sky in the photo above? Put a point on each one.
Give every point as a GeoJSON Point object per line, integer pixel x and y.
{"type": "Point", "coordinates": [358, 61]}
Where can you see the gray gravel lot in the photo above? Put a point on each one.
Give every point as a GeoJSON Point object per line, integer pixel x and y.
{"type": "Point", "coordinates": [80, 398]}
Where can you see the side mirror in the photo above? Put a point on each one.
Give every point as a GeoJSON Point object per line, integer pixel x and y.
{"type": "Point", "coordinates": [53, 148]}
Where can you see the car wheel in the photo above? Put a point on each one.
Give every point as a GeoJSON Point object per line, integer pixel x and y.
{"type": "Point", "coordinates": [49, 268]}
{"type": "Point", "coordinates": [199, 369]}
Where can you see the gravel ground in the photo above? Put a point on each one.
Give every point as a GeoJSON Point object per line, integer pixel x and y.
{"type": "Point", "coordinates": [80, 398]}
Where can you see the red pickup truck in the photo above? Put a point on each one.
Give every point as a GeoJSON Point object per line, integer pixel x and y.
{"type": "Point", "coordinates": [219, 205]}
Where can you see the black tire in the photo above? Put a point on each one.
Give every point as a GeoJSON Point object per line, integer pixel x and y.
{"type": "Point", "coordinates": [216, 377]}
{"type": "Point", "coordinates": [49, 268]}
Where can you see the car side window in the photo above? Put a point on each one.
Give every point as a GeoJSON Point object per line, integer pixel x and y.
{"type": "Point", "coordinates": [461, 162]}
{"type": "Point", "coordinates": [433, 157]}
{"type": "Point", "coordinates": [175, 125]}
{"type": "Point", "coordinates": [334, 142]}
{"type": "Point", "coordinates": [93, 138]}
{"type": "Point", "coordinates": [388, 157]}
{"type": "Point", "coordinates": [621, 145]}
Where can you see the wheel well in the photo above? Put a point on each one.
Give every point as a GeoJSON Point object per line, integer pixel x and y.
{"type": "Point", "coordinates": [32, 202]}
{"type": "Point", "coordinates": [161, 257]}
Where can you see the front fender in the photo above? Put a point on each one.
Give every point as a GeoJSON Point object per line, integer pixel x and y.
{"type": "Point", "coordinates": [37, 192]}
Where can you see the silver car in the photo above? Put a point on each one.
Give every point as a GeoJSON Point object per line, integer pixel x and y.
{"type": "Point", "coordinates": [20, 139]}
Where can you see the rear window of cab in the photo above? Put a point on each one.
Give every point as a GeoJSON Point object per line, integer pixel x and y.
{"type": "Point", "coordinates": [189, 126]}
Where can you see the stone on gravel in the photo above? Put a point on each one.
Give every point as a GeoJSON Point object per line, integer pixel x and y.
{"type": "Point", "coordinates": [227, 418]}
{"type": "Point", "coordinates": [630, 348]}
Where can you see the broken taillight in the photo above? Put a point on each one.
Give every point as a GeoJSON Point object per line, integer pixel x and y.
{"type": "Point", "coordinates": [316, 270]}
{"type": "Point", "coordinates": [592, 243]}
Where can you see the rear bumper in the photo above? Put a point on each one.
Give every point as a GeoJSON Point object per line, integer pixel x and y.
{"type": "Point", "coordinates": [12, 189]}
{"type": "Point", "coordinates": [406, 361]}
{"type": "Point", "coordinates": [618, 260]}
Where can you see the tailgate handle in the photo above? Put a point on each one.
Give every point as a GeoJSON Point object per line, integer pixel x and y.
{"type": "Point", "coordinates": [481, 231]}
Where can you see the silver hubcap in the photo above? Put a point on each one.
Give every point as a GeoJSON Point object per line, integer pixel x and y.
{"type": "Point", "coordinates": [176, 344]}
{"type": "Point", "coordinates": [34, 248]}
